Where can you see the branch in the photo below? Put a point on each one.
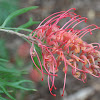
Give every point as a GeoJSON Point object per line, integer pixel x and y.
{"type": "Point", "coordinates": [18, 34]}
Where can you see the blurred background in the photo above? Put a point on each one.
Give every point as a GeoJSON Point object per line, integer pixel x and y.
{"type": "Point", "coordinates": [11, 47]}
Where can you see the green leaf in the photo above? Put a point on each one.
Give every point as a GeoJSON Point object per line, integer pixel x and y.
{"type": "Point", "coordinates": [3, 60]}
{"type": "Point", "coordinates": [17, 13]}
{"type": "Point", "coordinates": [10, 70]}
{"type": "Point", "coordinates": [1, 98]}
{"type": "Point", "coordinates": [38, 50]}
{"type": "Point", "coordinates": [6, 8]}
{"type": "Point", "coordinates": [36, 62]}
{"type": "Point", "coordinates": [17, 85]}
{"type": "Point", "coordinates": [1, 91]}
{"type": "Point", "coordinates": [3, 50]}
{"type": "Point", "coordinates": [28, 24]}
{"type": "Point", "coordinates": [5, 91]}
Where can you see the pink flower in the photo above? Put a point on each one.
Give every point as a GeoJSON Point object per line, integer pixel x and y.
{"type": "Point", "coordinates": [65, 45]}
{"type": "Point", "coordinates": [35, 75]}
{"type": "Point", "coordinates": [23, 50]}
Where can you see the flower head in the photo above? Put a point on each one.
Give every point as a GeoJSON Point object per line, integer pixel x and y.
{"type": "Point", "coordinates": [65, 45]}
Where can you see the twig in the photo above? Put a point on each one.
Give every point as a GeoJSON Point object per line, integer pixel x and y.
{"type": "Point", "coordinates": [19, 34]}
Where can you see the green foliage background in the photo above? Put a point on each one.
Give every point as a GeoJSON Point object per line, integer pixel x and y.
{"type": "Point", "coordinates": [11, 78]}
{"type": "Point", "coordinates": [7, 7]}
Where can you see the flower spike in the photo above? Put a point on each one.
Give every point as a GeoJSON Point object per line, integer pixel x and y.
{"type": "Point", "coordinates": [64, 45]}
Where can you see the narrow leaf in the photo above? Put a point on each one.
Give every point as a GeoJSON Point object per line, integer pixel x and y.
{"type": "Point", "coordinates": [3, 60]}
{"type": "Point", "coordinates": [28, 24]}
{"type": "Point", "coordinates": [1, 98]}
{"type": "Point", "coordinates": [4, 69]}
{"type": "Point", "coordinates": [5, 91]}
{"type": "Point", "coordinates": [17, 85]}
{"type": "Point", "coordinates": [16, 13]}
{"type": "Point", "coordinates": [1, 91]}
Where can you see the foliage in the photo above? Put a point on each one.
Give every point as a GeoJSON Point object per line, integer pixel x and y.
{"type": "Point", "coordinates": [11, 78]}
{"type": "Point", "coordinates": [7, 7]}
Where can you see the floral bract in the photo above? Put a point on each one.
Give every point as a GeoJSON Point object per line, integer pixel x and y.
{"type": "Point", "coordinates": [65, 45]}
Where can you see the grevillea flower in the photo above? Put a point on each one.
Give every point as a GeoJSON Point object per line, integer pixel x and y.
{"type": "Point", "coordinates": [64, 44]}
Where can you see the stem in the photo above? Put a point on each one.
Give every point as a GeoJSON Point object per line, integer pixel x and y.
{"type": "Point", "coordinates": [19, 34]}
